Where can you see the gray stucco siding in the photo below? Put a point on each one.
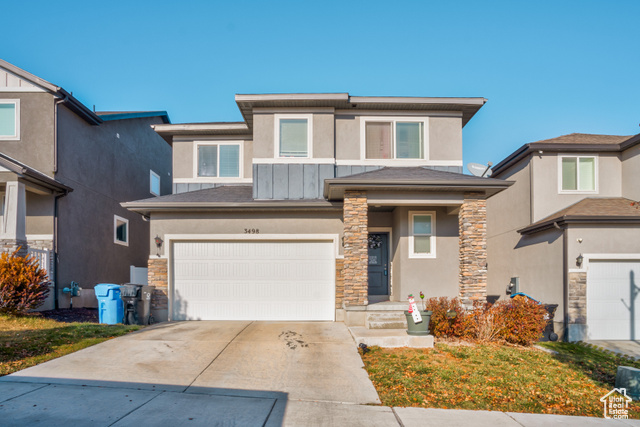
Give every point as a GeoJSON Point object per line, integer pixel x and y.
{"type": "Point", "coordinates": [234, 223]}
{"type": "Point", "coordinates": [40, 211]}
{"type": "Point", "coordinates": [631, 173]}
{"type": "Point", "coordinates": [35, 146]}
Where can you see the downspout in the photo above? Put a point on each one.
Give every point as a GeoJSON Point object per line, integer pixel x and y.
{"type": "Point", "coordinates": [55, 201]}
{"type": "Point", "coordinates": [55, 248]}
{"type": "Point", "coordinates": [565, 281]}
{"type": "Point", "coordinates": [55, 132]}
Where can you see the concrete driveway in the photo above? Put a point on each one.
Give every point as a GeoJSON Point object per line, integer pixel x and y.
{"type": "Point", "coordinates": [194, 368]}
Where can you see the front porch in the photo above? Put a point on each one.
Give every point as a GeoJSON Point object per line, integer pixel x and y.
{"type": "Point", "coordinates": [407, 237]}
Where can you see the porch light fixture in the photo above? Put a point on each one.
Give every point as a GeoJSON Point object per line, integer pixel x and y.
{"type": "Point", "coordinates": [159, 243]}
{"type": "Point", "coordinates": [579, 260]}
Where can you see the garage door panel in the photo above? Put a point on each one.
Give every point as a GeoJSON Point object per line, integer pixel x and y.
{"type": "Point", "coordinates": [254, 280]}
{"type": "Point", "coordinates": [613, 307]}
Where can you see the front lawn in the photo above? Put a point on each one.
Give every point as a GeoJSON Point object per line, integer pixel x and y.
{"type": "Point", "coordinates": [29, 340]}
{"type": "Point", "coordinates": [499, 378]}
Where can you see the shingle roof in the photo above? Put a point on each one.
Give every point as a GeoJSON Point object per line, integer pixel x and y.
{"type": "Point", "coordinates": [585, 138]}
{"type": "Point", "coordinates": [605, 209]}
{"type": "Point", "coordinates": [412, 178]}
{"type": "Point", "coordinates": [575, 142]}
{"type": "Point", "coordinates": [417, 173]}
{"type": "Point", "coordinates": [226, 196]}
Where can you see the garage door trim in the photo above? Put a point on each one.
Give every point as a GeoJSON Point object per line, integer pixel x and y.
{"type": "Point", "coordinates": [170, 239]}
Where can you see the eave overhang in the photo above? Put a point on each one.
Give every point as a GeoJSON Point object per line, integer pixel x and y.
{"type": "Point", "coordinates": [566, 220]}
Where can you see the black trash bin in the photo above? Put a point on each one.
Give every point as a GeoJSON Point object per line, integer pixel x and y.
{"type": "Point", "coordinates": [137, 303]}
{"type": "Point", "coordinates": [549, 334]}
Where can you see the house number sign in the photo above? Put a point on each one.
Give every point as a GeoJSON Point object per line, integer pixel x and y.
{"type": "Point", "coordinates": [251, 231]}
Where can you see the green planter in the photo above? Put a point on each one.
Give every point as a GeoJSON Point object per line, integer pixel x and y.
{"type": "Point", "coordinates": [421, 328]}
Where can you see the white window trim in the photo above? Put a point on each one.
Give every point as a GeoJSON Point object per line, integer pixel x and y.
{"type": "Point", "coordinates": [276, 135]}
{"type": "Point", "coordinates": [215, 179]}
{"type": "Point", "coordinates": [117, 218]}
{"type": "Point", "coordinates": [152, 175]}
{"type": "Point", "coordinates": [596, 174]}
{"type": "Point", "coordinates": [394, 120]}
{"type": "Point", "coordinates": [15, 137]}
{"type": "Point", "coordinates": [412, 254]}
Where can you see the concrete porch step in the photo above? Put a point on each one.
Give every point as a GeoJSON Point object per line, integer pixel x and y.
{"type": "Point", "coordinates": [385, 320]}
{"type": "Point", "coordinates": [389, 338]}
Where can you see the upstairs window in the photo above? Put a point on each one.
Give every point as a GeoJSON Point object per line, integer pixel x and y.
{"type": "Point", "coordinates": [154, 185]}
{"type": "Point", "coordinates": [394, 139]}
{"type": "Point", "coordinates": [578, 173]}
{"type": "Point", "coordinates": [293, 136]}
{"type": "Point", "coordinates": [219, 160]}
{"type": "Point", "coordinates": [10, 119]}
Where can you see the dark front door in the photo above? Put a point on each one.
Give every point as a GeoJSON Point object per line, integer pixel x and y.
{"type": "Point", "coordinates": [378, 264]}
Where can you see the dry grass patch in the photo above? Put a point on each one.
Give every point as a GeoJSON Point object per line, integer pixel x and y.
{"type": "Point", "coordinates": [29, 340]}
{"type": "Point", "coordinates": [496, 377]}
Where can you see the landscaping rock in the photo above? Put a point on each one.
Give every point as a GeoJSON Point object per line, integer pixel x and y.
{"type": "Point", "coordinates": [629, 378]}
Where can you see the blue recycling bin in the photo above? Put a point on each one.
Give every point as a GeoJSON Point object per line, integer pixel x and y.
{"type": "Point", "coordinates": [110, 305]}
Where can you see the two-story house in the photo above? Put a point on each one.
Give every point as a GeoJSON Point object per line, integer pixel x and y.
{"type": "Point", "coordinates": [64, 170]}
{"type": "Point", "coordinates": [318, 207]}
{"type": "Point", "coordinates": [568, 233]}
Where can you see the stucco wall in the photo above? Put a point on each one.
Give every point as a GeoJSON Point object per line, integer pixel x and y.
{"type": "Point", "coordinates": [184, 155]}
{"type": "Point", "coordinates": [444, 135]}
{"type": "Point", "coordinates": [537, 260]}
{"type": "Point", "coordinates": [604, 239]}
{"type": "Point", "coordinates": [631, 173]}
{"type": "Point", "coordinates": [39, 214]}
{"type": "Point", "coordinates": [35, 147]}
{"type": "Point", "coordinates": [435, 277]}
{"type": "Point", "coordinates": [105, 165]}
{"type": "Point", "coordinates": [510, 209]}
{"type": "Point", "coordinates": [198, 223]}
{"type": "Point", "coordinates": [547, 199]}
{"type": "Point", "coordinates": [264, 133]}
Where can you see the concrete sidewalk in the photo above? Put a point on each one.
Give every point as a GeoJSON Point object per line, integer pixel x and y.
{"type": "Point", "coordinates": [42, 404]}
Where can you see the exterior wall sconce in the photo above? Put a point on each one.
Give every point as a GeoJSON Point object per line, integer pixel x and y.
{"type": "Point", "coordinates": [579, 260]}
{"type": "Point", "coordinates": [159, 243]}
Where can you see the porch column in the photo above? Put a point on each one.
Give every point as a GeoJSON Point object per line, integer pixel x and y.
{"type": "Point", "coordinates": [14, 216]}
{"type": "Point", "coordinates": [356, 234]}
{"type": "Point", "coordinates": [473, 249]}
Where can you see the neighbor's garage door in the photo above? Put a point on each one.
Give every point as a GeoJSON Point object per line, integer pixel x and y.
{"type": "Point", "coordinates": [254, 280]}
{"type": "Point", "coordinates": [613, 305]}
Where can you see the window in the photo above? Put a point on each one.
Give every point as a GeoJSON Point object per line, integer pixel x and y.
{"type": "Point", "coordinates": [10, 119]}
{"type": "Point", "coordinates": [578, 174]}
{"type": "Point", "coordinates": [219, 160]}
{"type": "Point", "coordinates": [154, 186]}
{"type": "Point", "coordinates": [394, 139]}
{"type": "Point", "coordinates": [120, 230]}
{"type": "Point", "coordinates": [293, 135]}
{"type": "Point", "coordinates": [422, 242]}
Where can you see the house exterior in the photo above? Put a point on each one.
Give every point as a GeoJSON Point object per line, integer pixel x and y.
{"type": "Point", "coordinates": [64, 170]}
{"type": "Point", "coordinates": [318, 207]}
{"type": "Point", "coordinates": [567, 230]}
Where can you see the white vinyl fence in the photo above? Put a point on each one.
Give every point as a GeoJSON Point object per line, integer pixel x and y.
{"type": "Point", "coordinates": [45, 260]}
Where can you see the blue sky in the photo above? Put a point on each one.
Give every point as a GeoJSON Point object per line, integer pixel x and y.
{"type": "Point", "coordinates": [547, 68]}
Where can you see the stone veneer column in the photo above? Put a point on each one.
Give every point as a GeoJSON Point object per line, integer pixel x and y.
{"type": "Point", "coordinates": [158, 277]}
{"type": "Point", "coordinates": [473, 249]}
{"type": "Point", "coordinates": [356, 234]}
{"type": "Point", "coordinates": [339, 283]}
{"type": "Point", "coordinates": [577, 310]}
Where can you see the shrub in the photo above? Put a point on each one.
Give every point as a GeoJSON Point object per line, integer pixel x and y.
{"type": "Point", "coordinates": [441, 325]}
{"type": "Point", "coordinates": [23, 284]}
{"type": "Point", "coordinates": [488, 324]}
{"type": "Point", "coordinates": [522, 319]}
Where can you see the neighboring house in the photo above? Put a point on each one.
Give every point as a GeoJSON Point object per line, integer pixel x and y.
{"type": "Point", "coordinates": [318, 207]}
{"type": "Point", "coordinates": [64, 170]}
{"type": "Point", "coordinates": [568, 231]}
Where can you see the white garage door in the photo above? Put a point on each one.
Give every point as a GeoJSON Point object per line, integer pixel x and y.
{"type": "Point", "coordinates": [254, 280]}
{"type": "Point", "coordinates": [613, 305]}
